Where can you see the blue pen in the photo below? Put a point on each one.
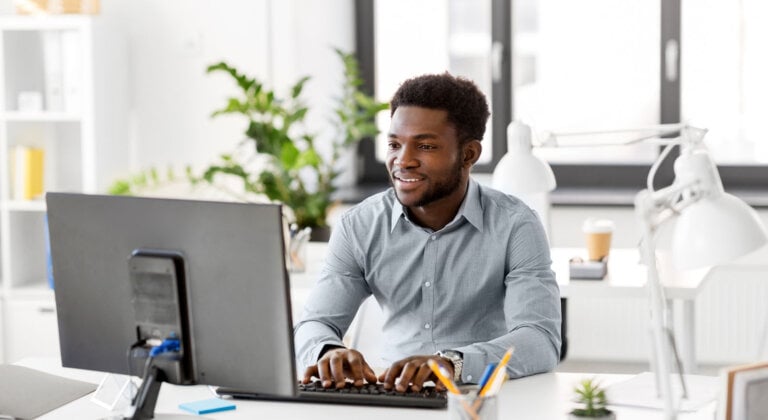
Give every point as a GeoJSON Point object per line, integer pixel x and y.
{"type": "Point", "coordinates": [486, 375]}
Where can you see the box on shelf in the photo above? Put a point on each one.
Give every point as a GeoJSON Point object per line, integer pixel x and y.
{"type": "Point", "coordinates": [55, 7]}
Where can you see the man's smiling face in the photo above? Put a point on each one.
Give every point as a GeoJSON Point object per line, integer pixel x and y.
{"type": "Point", "coordinates": [424, 159]}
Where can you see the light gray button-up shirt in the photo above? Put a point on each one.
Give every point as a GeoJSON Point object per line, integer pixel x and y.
{"type": "Point", "coordinates": [479, 285]}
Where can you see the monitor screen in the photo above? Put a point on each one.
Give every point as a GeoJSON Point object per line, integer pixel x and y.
{"type": "Point", "coordinates": [236, 286]}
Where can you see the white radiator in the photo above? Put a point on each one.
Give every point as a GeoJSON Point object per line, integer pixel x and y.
{"type": "Point", "coordinates": [731, 318]}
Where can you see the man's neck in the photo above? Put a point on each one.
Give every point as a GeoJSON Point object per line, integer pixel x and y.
{"type": "Point", "coordinates": [437, 214]}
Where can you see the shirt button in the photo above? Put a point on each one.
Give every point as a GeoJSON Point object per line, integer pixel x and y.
{"type": "Point", "coordinates": [427, 284]}
{"type": "Point", "coordinates": [427, 326]}
{"type": "Point", "coordinates": [469, 377]}
{"type": "Point", "coordinates": [433, 237]}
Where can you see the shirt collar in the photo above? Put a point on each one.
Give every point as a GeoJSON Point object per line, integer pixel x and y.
{"type": "Point", "coordinates": [471, 209]}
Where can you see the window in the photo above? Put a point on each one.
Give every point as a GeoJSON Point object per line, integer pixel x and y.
{"type": "Point", "coordinates": [591, 65]}
{"type": "Point", "coordinates": [402, 39]}
{"type": "Point", "coordinates": [431, 36]}
{"type": "Point", "coordinates": [723, 69]}
{"type": "Point", "coordinates": [569, 76]}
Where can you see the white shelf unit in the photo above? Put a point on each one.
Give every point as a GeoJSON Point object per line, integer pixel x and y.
{"type": "Point", "coordinates": [78, 65]}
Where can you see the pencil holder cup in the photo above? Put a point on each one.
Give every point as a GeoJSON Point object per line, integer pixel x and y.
{"type": "Point", "coordinates": [470, 406]}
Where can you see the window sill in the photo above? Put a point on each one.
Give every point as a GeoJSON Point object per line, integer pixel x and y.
{"type": "Point", "coordinates": [625, 197]}
{"type": "Point", "coordinates": [564, 196]}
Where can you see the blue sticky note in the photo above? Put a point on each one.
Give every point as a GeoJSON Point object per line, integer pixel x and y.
{"type": "Point", "coordinates": [212, 405]}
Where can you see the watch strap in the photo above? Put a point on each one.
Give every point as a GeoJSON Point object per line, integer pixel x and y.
{"type": "Point", "coordinates": [457, 359]}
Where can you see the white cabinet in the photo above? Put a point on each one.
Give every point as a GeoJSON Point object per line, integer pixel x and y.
{"type": "Point", "coordinates": [31, 329]}
{"type": "Point", "coordinates": [63, 95]}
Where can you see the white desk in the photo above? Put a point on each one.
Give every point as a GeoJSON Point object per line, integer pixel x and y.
{"type": "Point", "coordinates": [547, 396]}
{"type": "Point", "coordinates": [626, 279]}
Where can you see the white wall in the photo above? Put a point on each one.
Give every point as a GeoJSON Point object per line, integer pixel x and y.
{"type": "Point", "coordinates": [171, 42]}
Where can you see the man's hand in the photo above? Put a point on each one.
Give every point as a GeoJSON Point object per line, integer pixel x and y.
{"type": "Point", "coordinates": [338, 365]}
{"type": "Point", "coordinates": [414, 371]}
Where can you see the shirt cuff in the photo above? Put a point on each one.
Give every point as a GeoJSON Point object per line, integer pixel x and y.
{"type": "Point", "coordinates": [474, 365]}
{"type": "Point", "coordinates": [317, 351]}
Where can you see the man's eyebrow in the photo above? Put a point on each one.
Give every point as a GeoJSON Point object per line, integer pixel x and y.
{"type": "Point", "coordinates": [420, 136]}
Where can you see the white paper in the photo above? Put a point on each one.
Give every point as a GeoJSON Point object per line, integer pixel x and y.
{"type": "Point", "coordinates": [640, 391]}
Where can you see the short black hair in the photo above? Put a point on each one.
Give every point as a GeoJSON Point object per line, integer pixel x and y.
{"type": "Point", "coordinates": [466, 105]}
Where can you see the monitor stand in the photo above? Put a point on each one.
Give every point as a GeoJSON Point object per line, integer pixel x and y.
{"type": "Point", "coordinates": [146, 399]}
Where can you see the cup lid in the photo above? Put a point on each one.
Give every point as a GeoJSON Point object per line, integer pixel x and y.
{"type": "Point", "coordinates": [597, 225]}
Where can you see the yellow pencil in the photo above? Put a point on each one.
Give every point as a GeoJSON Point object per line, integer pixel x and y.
{"type": "Point", "coordinates": [498, 371]}
{"type": "Point", "coordinates": [444, 379]}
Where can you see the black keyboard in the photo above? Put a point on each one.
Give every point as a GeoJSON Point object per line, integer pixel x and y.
{"type": "Point", "coordinates": [368, 394]}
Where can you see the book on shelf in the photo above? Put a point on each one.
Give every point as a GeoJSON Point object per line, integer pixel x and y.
{"type": "Point", "coordinates": [54, 7]}
{"type": "Point", "coordinates": [71, 70]}
{"type": "Point", "coordinates": [53, 61]}
{"type": "Point", "coordinates": [27, 172]}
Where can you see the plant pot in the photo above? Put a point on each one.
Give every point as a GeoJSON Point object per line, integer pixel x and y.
{"type": "Point", "coordinates": [609, 416]}
{"type": "Point", "coordinates": [320, 234]}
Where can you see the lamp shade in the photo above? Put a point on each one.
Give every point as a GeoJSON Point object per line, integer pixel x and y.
{"type": "Point", "coordinates": [715, 230]}
{"type": "Point", "coordinates": [519, 171]}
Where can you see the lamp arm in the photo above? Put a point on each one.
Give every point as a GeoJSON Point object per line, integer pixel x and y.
{"type": "Point", "coordinates": [658, 130]}
{"type": "Point", "coordinates": [661, 355]}
{"type": "Point", "coordinates": [550, 139]}
{"type": "Point", "coordinates": [656, 164]}
{"type": "Point", "coordinates": [652, 210]}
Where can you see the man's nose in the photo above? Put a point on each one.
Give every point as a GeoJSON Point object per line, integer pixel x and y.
{"type": "Point", "coordinates": [406, 158]}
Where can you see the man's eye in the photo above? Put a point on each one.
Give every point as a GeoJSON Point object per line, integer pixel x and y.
{"type": "Point", "coordinates": [426, 147]}
{"type": "Point", "coordinates": [393, 146]}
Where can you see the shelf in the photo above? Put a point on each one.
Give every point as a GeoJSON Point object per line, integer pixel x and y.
{"type": "Point", "coordinates": [43, 22]}
{"type": "Point", "coordinates": [85, 142]}
{"type": "Point", "coordinates": [42, 116]}
{"type": "Point", "coordinates": [31, 205]}
{"type": "Point", "coordinates": [36, 291]}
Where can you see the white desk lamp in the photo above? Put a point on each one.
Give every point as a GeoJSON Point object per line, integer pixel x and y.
{"type": "Point", "coordinates": [524, 175]}
{"type": "Point", "coordinates": [711, 227]}
{"type": "Point", "coordinates": [519, 159]}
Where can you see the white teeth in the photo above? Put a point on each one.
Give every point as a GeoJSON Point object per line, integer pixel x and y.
{"type": "Point", "coordinates": [408, 180]}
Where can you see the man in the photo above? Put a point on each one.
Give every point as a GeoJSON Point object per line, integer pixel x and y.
{"type": "Point", "coordinates": [461, 272]}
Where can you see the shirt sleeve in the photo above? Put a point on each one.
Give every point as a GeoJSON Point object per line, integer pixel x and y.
{"type": "Point", "coordinates": [333, 302]}
{"type": "Point", "coordinates": [531, 309]}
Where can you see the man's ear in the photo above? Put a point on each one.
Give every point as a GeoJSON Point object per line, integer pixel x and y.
{"type": "Point", "coordinates": [472, 151]}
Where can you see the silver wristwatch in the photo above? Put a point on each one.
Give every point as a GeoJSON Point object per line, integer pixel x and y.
{"type": "Point", "coordinates": [458, 362]}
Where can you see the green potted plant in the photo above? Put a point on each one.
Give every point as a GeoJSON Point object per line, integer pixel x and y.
{"type": "Point", "coordinates": [279, 157]}
{"type": "Point", "coordinates": [593, 402]}
{"type": "Point", "coordinates": [293, 170]}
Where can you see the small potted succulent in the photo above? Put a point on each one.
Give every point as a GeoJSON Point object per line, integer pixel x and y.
{"type": "Point", "coordinates": [593, 402]}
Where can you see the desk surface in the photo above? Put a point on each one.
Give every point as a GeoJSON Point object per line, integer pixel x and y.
{"type": "Point", "coordinates": [626, 276]}
{"type": "Point", "coordinates": [546, 396]}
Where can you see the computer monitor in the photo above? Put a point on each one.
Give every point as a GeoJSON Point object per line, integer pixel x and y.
{"type": "Point", "coordinates": [233, 294]}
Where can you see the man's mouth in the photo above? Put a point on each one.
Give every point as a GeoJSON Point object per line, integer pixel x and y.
{"type": "Point", "coordinates": [407, 180]}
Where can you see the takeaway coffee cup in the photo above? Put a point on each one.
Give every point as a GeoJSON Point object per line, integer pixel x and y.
{"type": "Point", "coordinates": [597, 233]}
